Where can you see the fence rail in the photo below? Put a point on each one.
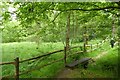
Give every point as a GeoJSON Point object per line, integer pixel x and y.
{"type": "Point", "coordinates": [17, 62]}
{"type": "Point", "coordinates": [41, 56]}
{"type": "Point", "coordinates": [7, 63]}
{"type": "Point", "coordinates": [42, 66]}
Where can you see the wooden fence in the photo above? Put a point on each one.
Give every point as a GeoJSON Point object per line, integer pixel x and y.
{"type": "Point", "coordinates": [16, 61]}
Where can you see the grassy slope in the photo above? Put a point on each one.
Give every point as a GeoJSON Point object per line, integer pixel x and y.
{"type": "Point", "coordinates": [27, 50]}
{"type": "Point", "coordinates": [104, 67]}
{"type": "Point", "coordinates": [107, 65]}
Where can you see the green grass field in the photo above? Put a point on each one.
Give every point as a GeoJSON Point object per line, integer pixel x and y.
{"type": "Point", "coordinates": [27, 50]}
{"type": "Point", "coordinates": [106, 66]}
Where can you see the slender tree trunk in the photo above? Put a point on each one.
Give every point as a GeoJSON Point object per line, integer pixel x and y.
{"type": "Point", "coordinates": [86, 36]}
{"type": "Point", "coordinates": [118, 34]}
{"type": "Point", "coordinates": [37, 37]}
{"type": "Point", "coordinates": [76, 26]}
{"type": "Point", "coordinates": [113, 27]}
{"type": "Point", "coordinates": [73, 26]}
{"type": "Point", "coordinates": [85, 39]}
{"type": "Point", "coordinates": [68, 31]}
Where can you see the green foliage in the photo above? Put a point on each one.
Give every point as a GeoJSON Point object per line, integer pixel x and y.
{"type": "Point", "coordinates": [11, 32]}
{"type": "Point", "coordinates": [46, 19]}
{"type": "Point", "coordinates": [46, 22]}
{"type": "Point", "coordinates": [6, 16]}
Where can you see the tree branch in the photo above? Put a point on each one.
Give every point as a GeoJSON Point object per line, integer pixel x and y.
{"type": "Point", "coordinates": [95, 9]}
{"type": "Point", "coordinates": [109, 11]}
{"type": "Point", "coordinates": [56, 16]}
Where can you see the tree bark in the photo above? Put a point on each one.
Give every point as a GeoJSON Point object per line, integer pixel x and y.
{"type": "Point", "coordinates": [76, 26]}
{"type": "Point", "coordinates": [85, 38]}
{"type": "Point", "coordinates": [68, 31]}
{"type": "Point", "coordinates": [113, 27]}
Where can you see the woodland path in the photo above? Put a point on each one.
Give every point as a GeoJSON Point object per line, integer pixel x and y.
{"type": "Point", "coordinates": [79, 73]}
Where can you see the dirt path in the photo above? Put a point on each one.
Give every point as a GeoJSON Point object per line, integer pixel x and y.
{"type": "Point", "coordinates": [64, 73]}
{"type": "Point", "coordinates": [100, 55]}
{"type": "Point", "coordinates": [68, 73]}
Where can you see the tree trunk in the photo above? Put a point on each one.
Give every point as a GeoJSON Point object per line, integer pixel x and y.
{"type": "Point", "coordinates": [118, 34]}
{"type": "Point", "coordinates": [113, 27]}
{"type": "Point", "coordinates": [76, 26]}
{"type": "Point", "coordinates": [68, 31]}
{"type": "Point", "coordinates": [37, 37]}
{"type": "Point", "coordinates": [85, 39]}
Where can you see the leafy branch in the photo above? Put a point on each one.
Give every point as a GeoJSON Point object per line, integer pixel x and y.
{"type": "Point", "coordinates": [95, 9]}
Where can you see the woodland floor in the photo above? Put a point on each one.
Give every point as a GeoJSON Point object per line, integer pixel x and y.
{"type": "Point", "coordinates": [80, 73]}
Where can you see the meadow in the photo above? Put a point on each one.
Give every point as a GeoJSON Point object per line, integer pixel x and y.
{"type": "Point", "coordinates": [27, 50]}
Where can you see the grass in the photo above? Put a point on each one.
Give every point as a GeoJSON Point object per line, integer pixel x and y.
{"type": "Point", "coordinates": [103, 67]}
{"type": "Point", "coordinates": [109, 63]}
{"type": "Point", "coordinates": [27, 50]}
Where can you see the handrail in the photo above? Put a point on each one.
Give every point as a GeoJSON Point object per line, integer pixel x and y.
{"type": "Point", "coordinates": [46, 54]}
{"type": "Point", "coordinates": [7, 63]}
{"type": "Point", "coordinates": [49, 53]}
{"type": "Point", "coordinates": [42, 66]}
{"type": "Point", "coordinates": [40, 56]}
{"type": "Point", "coordinates": [8, 76]}
{"type": "Point", "coordinates": [48, 63]}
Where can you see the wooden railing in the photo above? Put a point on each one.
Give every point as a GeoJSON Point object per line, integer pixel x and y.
{"type": "Point", "coordinates": [16, 61]}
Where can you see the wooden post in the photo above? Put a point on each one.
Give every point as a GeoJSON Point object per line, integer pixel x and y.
{"type": "Point", "coordinates": [65, 55]}
{"type": "Point", "coordinates": [17, 68]}
{"type": "Point", "coordinates": [84, 47]}
{"type": "Point", "coordinates": [85, 38]}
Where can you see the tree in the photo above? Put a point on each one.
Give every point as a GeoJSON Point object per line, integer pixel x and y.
{"type": "Point", "coordinates": [52, 18]}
